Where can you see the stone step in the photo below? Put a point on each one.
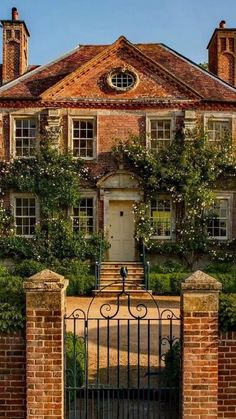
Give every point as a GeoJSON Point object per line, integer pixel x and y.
{"type": "Point", "coordinates": [110, 278]}
{"type": "Point", "coordinates": [118, 276]}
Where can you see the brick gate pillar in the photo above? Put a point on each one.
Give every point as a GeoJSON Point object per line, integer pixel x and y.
{"type": "Point", "coordinates": [45, 307]}
{"type": "Point", "coordinates": [199, 305]}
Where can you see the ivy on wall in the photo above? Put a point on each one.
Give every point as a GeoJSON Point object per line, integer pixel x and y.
{"type": "Point", "coordinates": [54, 178]}
{"type": "Point", "coordinates": [188, 170]}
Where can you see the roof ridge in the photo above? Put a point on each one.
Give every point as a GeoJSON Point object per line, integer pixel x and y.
{"type": "Point", "coordinates": [109, 48]}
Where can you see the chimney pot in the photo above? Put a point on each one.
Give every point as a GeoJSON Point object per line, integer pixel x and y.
{"type": "Point", "coordinates": [15, 14]}
{"type": "Point", "coordinates": [222, 24]}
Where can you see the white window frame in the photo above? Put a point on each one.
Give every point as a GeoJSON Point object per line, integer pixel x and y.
{"type": "Point", "coordinates": [163, 117]}
{"type": "Point", "coordinates": [172, 214]}
{"type": "Point", "coordinates": [71, 134]}
{"type": "Point", "coordinates": [13, 198]}
{"type": "Point", "coordinates": [229, 224]}
{"type": "Point", "coordinates": [87, 195]}
{"type": "Point", "coordinates": [220, 117]}
{"type": "Point", "coordinates": [13, 119]}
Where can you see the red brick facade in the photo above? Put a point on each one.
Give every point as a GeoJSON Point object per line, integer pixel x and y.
{"type": "Point", "coordinates": [77, 85]}
{"type": "Point", "coordinates": [13, 376]}
{"type": "Point", "coordinates": [222, 48]}
{"type": "Point", "coordinates": [45, 305]}
{"type": "Point", "coordinates": [200, 346]}
{"type": "Point", "coordinates": [15, 48]}
{"type": "Point", "coordinates": [227, 375]}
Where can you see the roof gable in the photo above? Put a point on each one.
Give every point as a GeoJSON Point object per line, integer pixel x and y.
{"type": "Point", "coordinates": [90, 79]}
{"type": "Point", "coordinates": [161, 60]}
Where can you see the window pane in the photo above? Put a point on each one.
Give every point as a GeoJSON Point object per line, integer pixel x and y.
{"type": "Point", "coordinates": [160, 133]}
{"type": "Point", "coordinates": [83, 216]}
{"type": "Point", "coordinates": [161, 217]}
{"type": "Point", "coordinates": [25, 137]}
{"type": "Point", "coordinates": [83, 138]}
{"type": "Point", "coordinates": [25, 216]}
{"type": "Point", "coordinates": [218, 225]}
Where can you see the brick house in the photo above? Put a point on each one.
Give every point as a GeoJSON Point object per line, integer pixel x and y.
{"type": "Point", "coordinates": [98, 93]}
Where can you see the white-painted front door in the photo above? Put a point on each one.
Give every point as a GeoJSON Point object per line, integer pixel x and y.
{"type": "Point", "coordinates": [121, 231]}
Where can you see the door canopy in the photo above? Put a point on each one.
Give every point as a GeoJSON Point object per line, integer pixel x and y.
{"type": "Point", "coordinates": [121, 179]}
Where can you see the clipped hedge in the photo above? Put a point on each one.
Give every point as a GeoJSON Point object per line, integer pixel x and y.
{"type": "Point", "coordinates": [167, 284]}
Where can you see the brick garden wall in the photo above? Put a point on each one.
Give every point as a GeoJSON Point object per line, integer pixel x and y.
{"type": "Point", "coordinates": [227, 376]}
{"type": "Point", "coordinates": [12, 376]}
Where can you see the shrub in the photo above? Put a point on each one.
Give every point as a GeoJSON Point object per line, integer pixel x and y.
{"type": "Point", "coordinates": [28, 268]}
{"type": "Point", "coordinates": [12, 302]}
{"type": "Point", "coordinates": [75, 360]}
{"type": "Point", "coordinates": [16, 247]}
{"type": "Point", "coordinates": [11, 290]}
{"type": "Point", "coordinates": [169, 266]}
{"type": "Point", "coordinates": [227, 312]}
{"type": "Point", "coordinates": [167, 284]}
{"type": "Point", "coordinates": [82, 285]}
{"type": "Point", "coordinates": [11, 318]}
{"type": "Point", "coordinates": [81, 281]}
{"type": "Point", "coordinates": [220, 268]}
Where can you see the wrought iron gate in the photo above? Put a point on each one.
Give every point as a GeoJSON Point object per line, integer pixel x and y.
{"type": "Point", "coordinates": [122, 359]}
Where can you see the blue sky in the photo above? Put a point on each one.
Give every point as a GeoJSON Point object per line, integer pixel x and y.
{"type": "Point", "coordinates": [57, 26]}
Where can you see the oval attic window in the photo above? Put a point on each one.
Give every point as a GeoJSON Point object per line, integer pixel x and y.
{"type": "Point", "coordinates": [122, 80]}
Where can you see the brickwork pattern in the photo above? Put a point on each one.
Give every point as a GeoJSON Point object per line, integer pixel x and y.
{"type": "Point", "coordinates": [45, 305]}
{"type": "Point", "coordinates": [221, 55]}
{"type": "Point", "coordinates": [200, 371]}
{"type": "Point", "coordinates": [227, 376]}
{"type": "Point", "coordinates": [12, 376]}
{"type": "Point", "coordinates": [200, 347]}
{"type": "Point", "coordinates": [44, 363]}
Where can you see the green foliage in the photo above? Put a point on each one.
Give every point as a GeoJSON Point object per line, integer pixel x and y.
{"type": "Point", "coordinates": [227, 312]}
{"type": "Point", "coordinates": [27, 268]}
{"type": "Point", "coordinates": [170, 266]}
{"type": "Point", "coordinates": [57, 243]}
{"type": "Point", "coordinates": [82, 285]}
{"type": "Point", "coordinates": [225, 273]}
{"type": "Point", "coordinates": [54, 179]}
{"type": "Point", "coordinates": [75, 360]}
{"type": "Point", "coordinates": [12, 302]}
{"type": "Point", "coordinates": [166, 278]}
{"type": "Point", "coordinates": [16, 247]}
{"type": "Point", "coordinates": [51, 176]}
{"type": "Point", "coordinates": [167, 283]}
{"type": "Point", "coordinates": [11, 318]}
{"type": "Point", "coordinates": [81, 280]}
{"type": "Point", "coordinates": [187, 169]}
{"type": "Point", "coordinates": [11, 290]}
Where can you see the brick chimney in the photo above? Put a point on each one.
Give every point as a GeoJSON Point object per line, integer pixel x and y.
{"type": "Point", "coordinates": [15, 47]}
{"type": "Point", "coordinates": [222, 53]}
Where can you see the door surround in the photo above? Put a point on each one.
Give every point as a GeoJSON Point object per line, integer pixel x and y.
{"type": "Point", "coordinates": [121, 185]}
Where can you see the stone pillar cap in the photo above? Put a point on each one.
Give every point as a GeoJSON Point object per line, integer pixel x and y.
{"type": "Point", "coordinates": [201, 281]}
{"type": "Point", "coordinates": [46, 275]}
{"type": "Point", "coordinates": [45, 280]}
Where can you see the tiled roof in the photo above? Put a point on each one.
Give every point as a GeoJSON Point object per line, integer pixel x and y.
{"type": "Point", "coordinates": [206, 84]}
{"type": "Point", "coordinates": [42, 78]}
